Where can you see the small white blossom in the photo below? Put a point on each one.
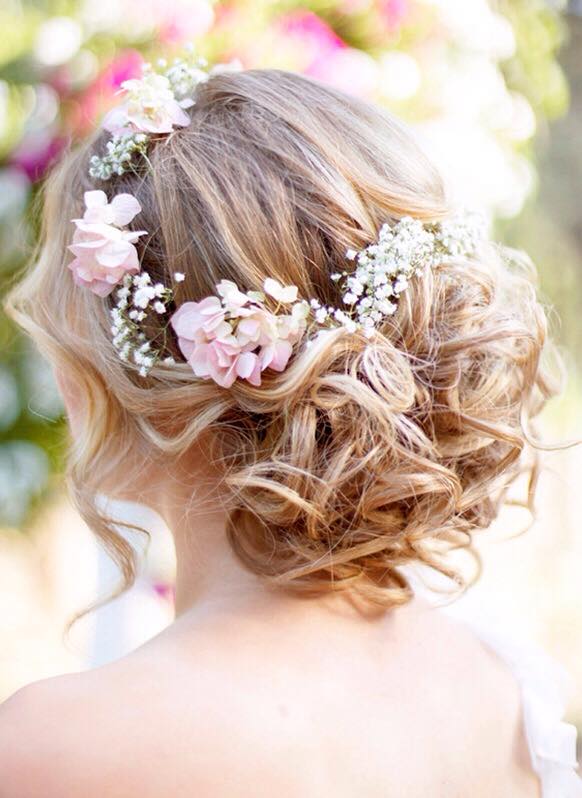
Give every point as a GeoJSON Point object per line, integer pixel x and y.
{"type": "Point", "coordinates": [141, 280]}
{"type": "Point", "coordinates": [179, 277]}
{"type": "Point", "coordinates": [142, 296]}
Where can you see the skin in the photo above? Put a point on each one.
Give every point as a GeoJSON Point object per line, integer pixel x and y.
{"type": "Point", "coordinates": [253, 693]}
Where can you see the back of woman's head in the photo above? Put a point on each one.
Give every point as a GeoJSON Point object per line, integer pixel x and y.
{"type": "Point", "coordinates": [365, 453]}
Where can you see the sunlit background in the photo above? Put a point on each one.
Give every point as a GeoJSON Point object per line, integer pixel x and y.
{"type": "Point", "coordinates": [494, 91]}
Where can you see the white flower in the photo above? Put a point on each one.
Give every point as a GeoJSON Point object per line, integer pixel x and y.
{"type": "Point", "coordinates": [142, 296]}
{"type": "Point", "coordinates": [150, 107]}
{"type": "Point", "coordinates": [355, 285]}
{"type": "Point", "coordinates": [232, 298]}
{"type": "Point", "coordinates": [279, 292]}
{"type": "Point", "coordinates": [141, 280]}
{"type": "Point", "coordinates": [400, 285]}
{"type": "Point", "coordinates": [179, 277]}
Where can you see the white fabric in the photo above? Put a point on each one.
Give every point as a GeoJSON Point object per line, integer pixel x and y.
{"type": "Point", "coordinates": [545, 686]}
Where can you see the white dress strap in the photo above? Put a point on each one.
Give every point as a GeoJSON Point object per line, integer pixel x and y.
{"type": "Point", "coordinates": [545, 686]}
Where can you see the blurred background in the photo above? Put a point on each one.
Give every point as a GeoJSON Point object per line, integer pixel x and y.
{"type": "Point", "coordinates": [494, 91]}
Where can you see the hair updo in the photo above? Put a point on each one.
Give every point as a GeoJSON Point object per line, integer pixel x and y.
{"type": "Point", "coordinates": [364, 455]}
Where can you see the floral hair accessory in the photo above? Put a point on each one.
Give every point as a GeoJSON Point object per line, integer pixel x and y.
{"type": "Point", "coordinates": [234, 334]}
{"type": "Point", "coordinates": [104, 251]}
{"type": "Point", "coordinates": [384, 268]}
{"type": "Point", "coordinates": [154, 104]}
{"type": "Point", "coordinates": [137, 297]}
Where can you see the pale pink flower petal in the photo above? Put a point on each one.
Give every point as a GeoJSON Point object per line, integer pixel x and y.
{"type": "Point", "coordinates": [194, 316]}
{"type": "Point", "coordinates": [233, 298]}
{"type": "Point", "coordinates": [95, 199]}
{"type": "Point", "coordinates": [115, 121]}
{"type": "Point", "coordinates": [279, 292]}
{"type": "Point", "coordinates": [248, 330]}
{"type": "Point", "coordinates": [115, 254]}
{"type": "Point", "coordinates": [255, 376]}
{"type": "Point", "coordinates": [245, 364]}
{"type": "Point", "coordinates": [276, 355]}
{"type": "Point", "coordinates": [199, 358]}
{"type": "Point", "coordinates": [124, 207]}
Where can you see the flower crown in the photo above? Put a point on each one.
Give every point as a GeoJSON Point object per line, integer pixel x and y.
{"type": "Point", "coordinates": [153, 105]}
{"type": "Point", "coordinates": [232, 334]}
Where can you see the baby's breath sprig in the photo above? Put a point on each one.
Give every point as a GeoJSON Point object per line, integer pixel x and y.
{"type": "Point", "coordinates": [185, 74]}
{"type": "Point", "coordinates": [137, 296]}
{"type": "Point", "coordinates": [120, 151]}
{"type": "Point", "coordinates": [384, 268]}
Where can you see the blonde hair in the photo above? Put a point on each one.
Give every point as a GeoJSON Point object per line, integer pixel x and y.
{"type": "Point", "coordinates": [363, 455]}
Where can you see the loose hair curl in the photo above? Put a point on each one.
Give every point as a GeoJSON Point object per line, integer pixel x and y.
{"type": "Point", "coordinates": [364, 455]}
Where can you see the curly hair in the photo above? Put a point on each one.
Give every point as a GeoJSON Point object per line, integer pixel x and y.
{"type": "Point", "coordinates": [364, 455]}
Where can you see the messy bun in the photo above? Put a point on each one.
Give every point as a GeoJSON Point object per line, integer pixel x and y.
{"type": "Point", "coordinates": [364, 455]}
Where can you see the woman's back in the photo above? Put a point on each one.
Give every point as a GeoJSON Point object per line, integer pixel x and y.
{"type": "Point", "coordinates": [278, 703]}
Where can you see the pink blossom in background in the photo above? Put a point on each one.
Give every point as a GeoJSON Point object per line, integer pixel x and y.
{"type": "Point", "coordinates": [394, 12]}
{"type": "Point", "coordinates": [37, 152]}
{"type": "Point", "coordinates": [325, 56]}
{"type": "Point", "coordinates": [180, 22]}
{"type": "Point", "coordinates": [101, 93]}
{"type": "Point", "coordinates": [350, 70]}
{"type": "Point", "coordinates": [315, 40]}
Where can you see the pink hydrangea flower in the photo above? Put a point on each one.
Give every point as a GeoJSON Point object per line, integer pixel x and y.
{"type": "Point", "coordinates": [236, 336]}
{"type": "Point", "coordinates": [149, 107]}
{"type": "Point", "coordinates": [104, 252]}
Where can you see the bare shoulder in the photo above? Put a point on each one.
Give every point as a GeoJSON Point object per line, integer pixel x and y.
{"type": "Point", "coordinates": [33, 728]}
{"type": "Point", "coordinates": [486, 710]}
{"type": "Point", "coordinates": [50, 732]}
{"type": "Point", "coordinates": [90, 734]}
{"type": "Point", "coordinates": [139, 726]}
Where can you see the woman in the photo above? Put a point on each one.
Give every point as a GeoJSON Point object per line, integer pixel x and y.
{"type": "Point", "coordinates": [268, 326]}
